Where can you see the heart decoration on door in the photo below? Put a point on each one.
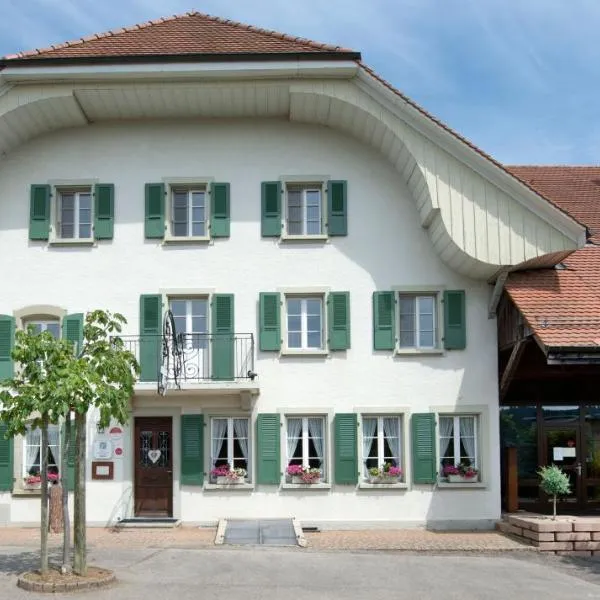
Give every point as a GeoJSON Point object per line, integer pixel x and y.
{"type": "Point", "coordinates": [154, 455]}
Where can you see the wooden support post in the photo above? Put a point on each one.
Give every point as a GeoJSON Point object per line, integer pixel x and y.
{"type": "Point", "coordinates": [512, 480]}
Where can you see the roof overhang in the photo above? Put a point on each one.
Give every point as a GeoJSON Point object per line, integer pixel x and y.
{"type": "Point", "coordinates": [573, 355]}
{"type": "Point", "coordinates": [480, 218]}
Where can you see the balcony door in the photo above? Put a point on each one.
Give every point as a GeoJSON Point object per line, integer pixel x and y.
{"type": "Point", "coordinates": [191, 325]}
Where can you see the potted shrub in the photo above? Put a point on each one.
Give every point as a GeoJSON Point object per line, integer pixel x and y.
{"type": "Point", "coordinates": [227, 475]}
{"type": "Point", "coordinates": [387, 473]}
{"type": "Point", "coordinates": [300, 474]}
{"type": "Point", "coordinates": [555, 482]}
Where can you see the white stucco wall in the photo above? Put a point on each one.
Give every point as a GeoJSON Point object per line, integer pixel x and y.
{"type": "Point", "coordinates": [385, 247]}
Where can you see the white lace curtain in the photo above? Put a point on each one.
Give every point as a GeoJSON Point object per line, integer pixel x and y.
{"type": "Point", "coordinates": [467, 436]}
{"type": "Point", "coordinates": [294, 428]}
{"type": "Point", "coordinates": [369, 429]}
{"type": "Point", "coordinates": [33, 440]}
{"type": "Point", "coordinates": [219, 433]}
{"type": "Point", "coordinates": [391, 430]}
{"type": "Point", "coordinates": [315, 430]}
{"type": "Point", "coordinates": [240, 428]}
{"type": "Point", "coordinates": [446, 429]}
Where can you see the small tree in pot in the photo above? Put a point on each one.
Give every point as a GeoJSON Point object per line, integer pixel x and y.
{"type": "Point", "coordinates": [555, 483]}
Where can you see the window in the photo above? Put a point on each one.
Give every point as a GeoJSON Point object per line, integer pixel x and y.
{"type": "Point", "coordinates": [305, 325]}
{"type": "Point", "coordinates": [458, 440]}
{"type": "Point", "coordinates": [305, 443]}
{"type": "Point", "coordinates": [417, 321]}
{"type": "Point", "coordinates": [50, 325]}
{"type": "Point", "coordinates": [191, 321]}
{"type": "Point", "coordinates": [32, 451]}
{"type": "Point", "coordinates": [74, 214]}
{"type": "Point", "coordinates": [382, 442]}
{"type": "Point", "coordinates": [229, 444]}
{"type": "Point", "coordinates": [189, 212]}
{"type": "Point", "coordinates": [304, 209]}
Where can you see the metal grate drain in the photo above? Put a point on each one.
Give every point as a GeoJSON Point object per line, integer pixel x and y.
{"type": "Point", "coordinates": [265, 532]}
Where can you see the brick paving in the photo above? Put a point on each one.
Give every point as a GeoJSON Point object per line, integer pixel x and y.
{"type": "Point", "coordinates": [410, 540]}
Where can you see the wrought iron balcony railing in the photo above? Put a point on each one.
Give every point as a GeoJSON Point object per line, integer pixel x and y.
{"type": "Point", "coordinates": [170, 360]}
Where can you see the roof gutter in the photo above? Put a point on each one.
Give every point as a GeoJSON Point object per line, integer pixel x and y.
{"type": "Point", "coordinates": [172, 70]}
{"type": "Point", "coordinates": [573, 355]}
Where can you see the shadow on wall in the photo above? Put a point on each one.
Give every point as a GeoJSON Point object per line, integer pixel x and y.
{"type": "Point", "coordinates": [122, 509]}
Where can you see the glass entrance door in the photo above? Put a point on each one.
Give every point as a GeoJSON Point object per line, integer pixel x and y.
{"type": "Point", "coordinates": [563, 448]}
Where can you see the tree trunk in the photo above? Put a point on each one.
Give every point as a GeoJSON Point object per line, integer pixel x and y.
{"type": "Point", "coordinates": [80, 562]}
{"type": "Point", "coordinates": [64, 461]}
{"type": "Point", "coordinates": [554, 512]}
{"type": "Point", "coordinates": [44, 498]}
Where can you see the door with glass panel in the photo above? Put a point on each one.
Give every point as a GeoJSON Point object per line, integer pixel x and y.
{"type": "Point", "coordinates": [562, 448]}
{"type": "Point", "coordinates": [191, 325]}
{"type": "Point", "coordinates": [591, 458]}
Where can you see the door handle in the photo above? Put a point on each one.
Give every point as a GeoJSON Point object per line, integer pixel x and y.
{"type": "Point", "coordinates": [172, 471]}
{"type": "Point", "coordinates": [578, 469]}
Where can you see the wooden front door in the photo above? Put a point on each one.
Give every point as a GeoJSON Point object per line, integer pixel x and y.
{"type": "Point", "coordinates": [153, 494]}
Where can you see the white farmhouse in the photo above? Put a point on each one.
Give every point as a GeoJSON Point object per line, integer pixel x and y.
{"type": "Point", "coordinates": [303, 256]}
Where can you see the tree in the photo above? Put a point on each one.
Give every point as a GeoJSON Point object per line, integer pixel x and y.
{"type": "Point", "coordinates": [102, 376]}
{"type": "Point", "coordinates": [555, 483]}
{"type": "Point", "coordinates": [31, 398]}
{"type": "Point", "coordinates": [55, 380]}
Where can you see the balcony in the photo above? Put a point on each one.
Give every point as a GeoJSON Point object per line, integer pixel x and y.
{"type": "Point", "coordinates": [219, 361]}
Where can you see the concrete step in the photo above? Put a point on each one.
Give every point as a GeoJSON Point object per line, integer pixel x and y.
{"type": "Point", "coordinates": [148, 523]}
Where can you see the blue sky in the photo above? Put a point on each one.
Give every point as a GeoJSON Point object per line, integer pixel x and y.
{"type": "Point", "coordinates": [517, 77]}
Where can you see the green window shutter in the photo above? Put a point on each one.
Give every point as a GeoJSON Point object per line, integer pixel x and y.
{"type": "Point", "coordinates": [271, 209]}
{"type": "Point", "coordinates": [68, 474]}
{"type": "Point", "coordinates": [72, 330]}
{"type": "Point", "coordinates": [39, 212]}
{"type": "Point", "coordinates": [455, 326]}
{"type": "Point", "coordinates": [219, 210]}
{"type": "Point", "coordinates": [346, 448]}
{"type": "Point", "coordinates": [270, 326]}
{"type": "Point", "coordinates": [384, 328]}
{"type": "Point", "coordinates": [339, 320]}
{"type": "Point", "coordinates": [104, 210]}
{"type": "Point", "coordinates": [268, 433]}
{"type": "Point", "coordinates": [155, 211]}
{"type": "Point", "coordinates": [223, 337]}
{"type": "Point", "coordinates": [423, 447]}
{"type": "Point", "coordinates": [150, 340]}
{"type": "Point", "coordinates": [7, 343]}
{"type": "Point", "coordinates": [192, 449]}
{"type": "Point", "coordinates": [337, 207]}
{"type": "Point", "coordinates": [6, 461]}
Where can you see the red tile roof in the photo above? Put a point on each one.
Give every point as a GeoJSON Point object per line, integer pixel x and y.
{"type": "Point", "coordinates": [193, 33]}
{"type": "Point", "coordinates": [562, 305]}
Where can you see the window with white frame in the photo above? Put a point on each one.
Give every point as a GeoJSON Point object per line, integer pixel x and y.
{"type": "Point", "coordinates": [304, 209]}
{"type": "Point", "coordinates": [305, 322]}
{"type": "Point", "coordinates": [189, 211]}
{"type": "Point", "coordinates": [306, 445]}
{"type": "Point", "coordinates": [458, 439]}
{"type": "Point", "coordinates": [417, 321]}
{"type": "Point", "coordinates": [32, 446]}
{"type": "Point", "coordinates": [230, 448]}
{"type": "Point", "coordinates": [52, 326]}
{"type": "Point", "coordinates": [74, 213]}
{"type": "Point", "coordinates": [191, 321]}
{"type": "Point", "coordinates": [382, 446]}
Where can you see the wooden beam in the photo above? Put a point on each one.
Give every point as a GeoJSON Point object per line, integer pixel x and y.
{"type": "Point", "coordinates": [511, 367]}
{"type": "Point", "coordinates": [497, 293]}
{"type": "Point", "coordinates": [512, 480]}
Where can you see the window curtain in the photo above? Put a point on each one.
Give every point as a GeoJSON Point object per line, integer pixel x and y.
{"type": "Point", "coordinates": [467, 429]}
{"type": "Point", "coordinates": [33, 439]}
{"type": "Point", "coordinates": [369, 428]}
{"type": "Point", "coordinates": [391, 430]}
{"type": "Point", "coordinates": [240, 428]}
{"type": "Point", "coordinates": [315, 430]}
{"type": "Point", "coordinates": [294, 427]}
{"type": "Point", "coordinates": [54, 445]}
{"type": "Point", "coordinates": [219, 432]}
{"type": "Point", "coordinates": [446, 426]}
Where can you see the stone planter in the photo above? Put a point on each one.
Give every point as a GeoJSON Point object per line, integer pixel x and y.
{"type": "Point", "coordinates": [228, 481]}
{"type": "Point", "coordinates": [462, 479]}
{"type": "Point", "coordinates": [298, 479]}
{"type": "Point", "coordinates": [384, 480]}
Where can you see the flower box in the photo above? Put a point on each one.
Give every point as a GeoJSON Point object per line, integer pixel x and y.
{"type": "Point", "coordinates": [297, 479]}
{"type": "Point", "coordinates": [224, 480]}
{"type": "Point", "coordinates": [461, 479]}
{"type": "Point", "coordinates": [384, 479]}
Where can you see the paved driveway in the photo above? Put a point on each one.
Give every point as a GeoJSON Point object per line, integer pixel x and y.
{"type": "Point", "coordinates": [273, 573]}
